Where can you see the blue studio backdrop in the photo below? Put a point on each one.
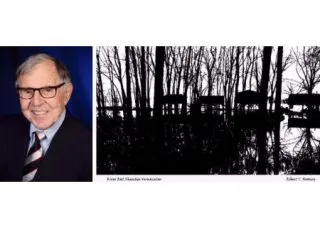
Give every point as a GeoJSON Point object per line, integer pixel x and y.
{"type": "Point", "coordinates": [79, 63]}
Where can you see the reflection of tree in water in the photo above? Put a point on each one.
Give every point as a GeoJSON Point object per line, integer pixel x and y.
{"type": "Point", "coordinates": [308, 70]}
{"type": "Point", "coordinates": [201, 110]}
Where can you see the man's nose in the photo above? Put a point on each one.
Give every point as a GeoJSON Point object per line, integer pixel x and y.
{"type": "Point", "coordinates": [37, 98]}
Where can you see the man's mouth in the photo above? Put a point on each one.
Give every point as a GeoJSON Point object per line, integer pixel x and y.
{"type": "Point", "coordinates": [39, 113]}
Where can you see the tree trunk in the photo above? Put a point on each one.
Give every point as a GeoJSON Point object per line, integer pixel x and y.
{"type": "Point", "coordinates": [198, 71]}
{"type": "Point", "coordinates": [135, 73]}
{"type": "Point", "coordinates": [158, 122]}
{"type": "Point", "coordinates": [100, 95]}
{"type": "Point", "coordinates": [237, 79]}
{"type": "Point", "coordinates": [277, 111]}
{"type": "Point", "coordinates": [262, 133]}
{"type": "Point", "coordinates": [118, 64]}
{"type": "Point", "coordinates": [148, 78]}
{"type": "Point", "coordinates": [143, 83]}
{"type": "Point", "coordinates": [128, 82]}
{"type": "Point", "coordinates": [158, 85]}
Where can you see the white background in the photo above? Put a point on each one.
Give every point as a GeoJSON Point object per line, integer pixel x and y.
{"type": "Point", "coordinates": [190, 203]}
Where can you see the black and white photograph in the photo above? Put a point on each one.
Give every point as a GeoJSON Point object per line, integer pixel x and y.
{"type": "Point", "coordinates": [208, 110]}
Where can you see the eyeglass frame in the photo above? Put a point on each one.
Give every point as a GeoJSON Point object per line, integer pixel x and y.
{"type": "Point", "coordinates": [39, 90]}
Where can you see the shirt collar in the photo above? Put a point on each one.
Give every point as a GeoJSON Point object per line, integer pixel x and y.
{"type": "Point", "coordinates": [51, 131]}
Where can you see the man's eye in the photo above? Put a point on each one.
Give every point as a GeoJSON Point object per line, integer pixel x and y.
{"type": "Point", "coordinates": [47, 90]}
{"type": "Point", "coordinates": [28, 91]}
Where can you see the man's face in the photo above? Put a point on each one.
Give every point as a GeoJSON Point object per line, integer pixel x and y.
{"type": "Point", "coordinates": [43, 112]}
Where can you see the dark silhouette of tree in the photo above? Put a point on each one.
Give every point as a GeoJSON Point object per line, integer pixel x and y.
{"type": "Point", "coordinates": [278, 111]}
{"type": "Point", "coordinates": [128, 103]}
{"type": "Point", "coordinates": [158, 86]}
{"type": "Point", "coordinates": [143, 83]}
{"type": "Point", "coordinates": [136, 80]}
{"type": "Point", "coordinates": [262, 162]}
{"type": "Point", "coordinates": [210, 61]}
{"type": "Point", "coordinates": [119, 73]}
{"type": "Point", "coordinates": [308, 67]}
{"type": "Point", "coordinates": [158, 94]}
{"type": "Point", "coordinates": [237, 75]}
{"type": "Point", "coordinates": [100, 94]}
{"type": "Point", "coordinates": [197, 74]}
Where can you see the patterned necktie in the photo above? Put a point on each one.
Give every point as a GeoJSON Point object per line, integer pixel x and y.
{"type": "Point", "coordinates": [33, 158]}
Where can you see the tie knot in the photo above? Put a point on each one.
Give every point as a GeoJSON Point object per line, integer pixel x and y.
{"type": "Point", "coordinates": [40, 135]}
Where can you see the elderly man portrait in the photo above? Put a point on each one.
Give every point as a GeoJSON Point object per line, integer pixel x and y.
{"type": "Point", "coordinates": [45, 143]}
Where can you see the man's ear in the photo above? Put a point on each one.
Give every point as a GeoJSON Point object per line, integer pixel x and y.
{"type": "Point", "coordinates": [68, 93]}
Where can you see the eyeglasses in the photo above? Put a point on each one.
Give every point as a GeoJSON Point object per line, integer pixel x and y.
{"type": "Point", "coordinates": [45, 92]}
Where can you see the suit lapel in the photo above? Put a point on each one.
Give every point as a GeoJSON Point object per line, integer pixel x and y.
{"type": "Point", "coordinates": [18, 141]}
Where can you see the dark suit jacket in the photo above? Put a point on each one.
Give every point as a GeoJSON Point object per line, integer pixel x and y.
{"type": "Point", "coordinates": [68, 158]}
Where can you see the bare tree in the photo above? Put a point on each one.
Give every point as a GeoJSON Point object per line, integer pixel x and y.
{"type": "Point", "coordinates": [277, 111]}
{"type": "Point", "coordinates": [136, 80]}
{"type": "Point", "coordinates": [100, 92]}
{"type": "Point", "coordinates": [209, 62]}
{"type": "Point", "coordinates": [128, 103]}
{"type": "Point", "coordinates": [158, 93]}
{"type": "Point", "coordinates": [308, 67]}
{"type": "Point", "coordinates": [111, 69]}
{"type": "Point", "coordinates": [197, 74]}
{"type": "Point", "coordinates": [143, 82]}
{"type": "Point", "coordinates": [262, 162]}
